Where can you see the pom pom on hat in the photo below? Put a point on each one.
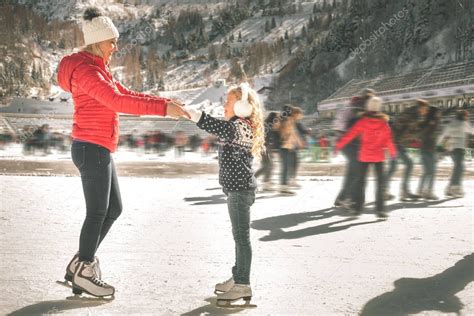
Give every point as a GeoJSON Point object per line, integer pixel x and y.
{"type": "Point", "coordinates": [91, 13]}
{"type": "Point", "coordinates": [97, 27]}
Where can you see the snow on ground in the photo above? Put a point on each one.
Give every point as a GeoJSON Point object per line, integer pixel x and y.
{"type": "Point", "coordinates": [173, 243]}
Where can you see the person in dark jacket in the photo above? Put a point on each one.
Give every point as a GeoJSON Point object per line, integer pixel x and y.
{"type": "Point", "coordinates": [428, 137]}
{"type": "Point", "coordinates": [406, 130]}
{"type": "Point", "coordinates": [272, 142]}
{"type": "Point", "coordinates": [376, 137]}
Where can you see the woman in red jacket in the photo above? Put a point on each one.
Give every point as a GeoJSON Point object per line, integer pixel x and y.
{"type": "Point", "coordinates": [98, 99]}
{"type": "Point", "coordinates": [376, 136]}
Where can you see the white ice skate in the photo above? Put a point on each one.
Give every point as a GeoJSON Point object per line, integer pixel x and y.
{"type": "Point", "coordinates": [458, 191]}
{"type": "Point", "coordinates": [71, 267]}
{"type": "Point", "coordinates": [86, 280]}
{"type": "Point", "coordinates": [294, 185]}
{"type": "Point", "coordinates": [267, 187]}
{"type": "Point", "coordinates": [454, 191]}
{"type": "Point", "coordinates": [286, 190]}
{"type": "Point", "coordinates": [224, 286]}
{"type": "Point", "coordinates": [237, 292]}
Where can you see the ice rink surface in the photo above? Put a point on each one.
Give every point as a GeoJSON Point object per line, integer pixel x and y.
{"type": "Point", "coordinates": [173, 243]}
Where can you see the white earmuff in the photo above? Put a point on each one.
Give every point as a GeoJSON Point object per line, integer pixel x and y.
{"type": "Point", "coordinates": [243, 108]}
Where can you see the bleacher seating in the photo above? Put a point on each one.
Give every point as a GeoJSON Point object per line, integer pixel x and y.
{"type": "Point", "coordinates": [444, 76]}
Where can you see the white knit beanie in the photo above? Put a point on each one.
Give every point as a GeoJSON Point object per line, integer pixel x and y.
{"type": "Point", "coordinates": [374, 104]}
{"type": "Point", "coordinates": [97, 27]}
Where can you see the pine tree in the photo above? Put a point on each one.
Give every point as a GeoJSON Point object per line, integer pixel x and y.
{"type": "Point", "coordinates": [240, 37]}
{"type": "Point", "coordinates": [236, 70]}
{"type": "Point", "coordinates": [286, 35]}
{"type": "Point", "coordinates": [212, 52]}
{"type": "Point", "coordinates": [267, 26]}
{"type": "Point", "coordinates": [34, 74]}
{"type": "Point", "coordinates": [273, 23]}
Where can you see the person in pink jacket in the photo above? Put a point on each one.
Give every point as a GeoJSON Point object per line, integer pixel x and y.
{"type": "Point", "coordinates": [375, 137]}
{"type": "Point", "coordinates": [98, 99]}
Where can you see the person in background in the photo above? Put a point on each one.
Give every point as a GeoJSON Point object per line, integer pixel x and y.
{"type": "Point", "coordinates": [406, 131]}
{"type": "Point", "coordinates": [303, 132]}
{"type": "Point", "coordinates": [345, 119]}
{"type": "Point", "coordinates": [324, 145]}
{"type": "Point", "coordinates": [376, 137]}
{"type": "Point", "coordinates": [290, 143]}
{"type": "Point", "coordinates": [272, 142]}
{"type": "Point", "coordinates": [453, 138]}
{"type": "Point", "coordinates": [428, 137]}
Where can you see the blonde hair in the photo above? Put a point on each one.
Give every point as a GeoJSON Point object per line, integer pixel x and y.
{"type": "Point", "coordinates": [94, 49]}
{"type": "Point", "coordinates": [256, 120]}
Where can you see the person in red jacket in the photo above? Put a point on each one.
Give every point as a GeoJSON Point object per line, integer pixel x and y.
{"type": "Point", "coordinates": [375, 136]}
{"type": "Point", "coordinates": [98, 99]}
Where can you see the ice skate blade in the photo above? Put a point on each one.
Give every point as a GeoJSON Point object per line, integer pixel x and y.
{"type": "Point", "coordinates": [81, 297]}
{"type": "Point", "coordinates": [64, 283]}
{"type": "Point", "coordinates": [230, 303]}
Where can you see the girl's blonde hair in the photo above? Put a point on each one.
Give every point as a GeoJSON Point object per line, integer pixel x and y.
{"type": "Point", "coordinates": [94, 49]}
{"type": "Point", "coordinates": [256, 120]}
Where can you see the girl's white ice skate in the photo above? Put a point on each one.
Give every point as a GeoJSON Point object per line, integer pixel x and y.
{"type": "Point", "coordinates": [87, 280]}
{"type": "Point", "coordinates": [224, 286]}
{"type": "Point", "coordinates": [237, 292]}
{"type": "Point", "coordinates": [71, 267]}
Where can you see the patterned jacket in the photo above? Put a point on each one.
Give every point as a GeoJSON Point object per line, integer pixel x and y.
{"type": "Point", "coordinates": [235, 151]}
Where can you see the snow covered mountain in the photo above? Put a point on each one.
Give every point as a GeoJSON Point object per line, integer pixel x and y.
{"type": "Point", "coordinates": [302, 48]}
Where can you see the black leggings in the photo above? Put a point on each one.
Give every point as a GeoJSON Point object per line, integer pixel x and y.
{"type": "Point", "coordinates": [359, 192]}
{"type": "Point", "coordinates": [101, 192]}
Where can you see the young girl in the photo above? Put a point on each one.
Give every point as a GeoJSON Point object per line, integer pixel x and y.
{"type": "Point", "coordinates": [241, 137]}
{"type": "Point", "coordinates": [376, 136]}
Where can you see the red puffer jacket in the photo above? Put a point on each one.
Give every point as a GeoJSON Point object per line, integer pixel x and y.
{"type": "Point", "coordinates": [98, 99]}
{"type": "Point", "coordinates": [376, 136]}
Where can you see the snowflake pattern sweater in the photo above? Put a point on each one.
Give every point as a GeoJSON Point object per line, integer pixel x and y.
{"type": "Point", "coordinates": [235, 151]}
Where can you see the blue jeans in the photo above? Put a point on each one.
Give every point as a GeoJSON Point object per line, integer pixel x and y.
{"type": "Point", "coordinates": [458, 158]}
{"type": "Point", "coordinates": [238, 203]}
{"type": "Point", "coordinates": [428, 160]}
{"type": "Point", "coordinates": [101, 192]}
{"type": "Point", "coordinates": [403, 155]}
{"type": "Point", "coordinates": [287, 164]}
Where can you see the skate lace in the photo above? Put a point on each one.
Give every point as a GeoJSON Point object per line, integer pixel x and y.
{"type": "Point", "coordinates": [98, 282]}
{"type": "Point", "coordinates": [95, 278]}
{"type": "Point", "coordinates": [228, 281]}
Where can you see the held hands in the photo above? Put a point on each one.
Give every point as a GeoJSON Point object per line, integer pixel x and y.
{"type": "Point", "coordinates": [175, 109]}
{"type": "Point", "coordinates": [195, 115]}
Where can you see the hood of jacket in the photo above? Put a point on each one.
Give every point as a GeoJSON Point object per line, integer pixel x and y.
{"type": "Point", "coordinates": [69, 64]}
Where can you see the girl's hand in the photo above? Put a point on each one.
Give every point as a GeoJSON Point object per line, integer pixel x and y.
{"type": "Point", "coordinates": [194, 115]}
{"type": "Point", "coordinates": [175, 110]}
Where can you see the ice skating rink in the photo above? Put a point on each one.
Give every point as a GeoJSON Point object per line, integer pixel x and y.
{"type": "Point", "coordinates": [173, 243]}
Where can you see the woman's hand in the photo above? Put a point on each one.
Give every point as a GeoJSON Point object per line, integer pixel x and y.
{"type": "Point", "coordinates": [175, 109]}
